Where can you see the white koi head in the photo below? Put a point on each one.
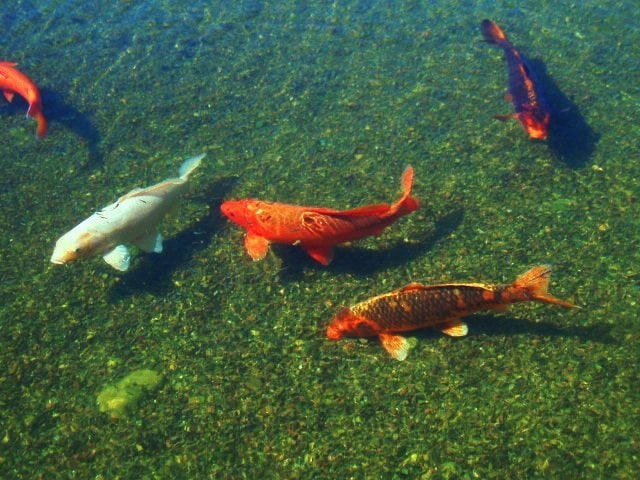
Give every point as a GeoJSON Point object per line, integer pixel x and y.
{"type": "Point", "coordinates": [76, 244]}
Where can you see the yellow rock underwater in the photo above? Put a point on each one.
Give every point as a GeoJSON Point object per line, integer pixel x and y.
{"type": "Point", "coordinates": [119, 399]}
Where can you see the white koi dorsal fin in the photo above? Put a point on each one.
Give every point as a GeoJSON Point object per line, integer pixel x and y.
{"type": "Point", "coordinates": [151, 242]}
{"type": "Point", "coordinates": [190, 165]}
{"type": "Point", "coordinates": [119, 258]}
{"type": "Point", "coordinates": [454, 328]}
{"type": "Point", "coordinates": [396, 345]}
{"type": "Point", "coordinates": [129, 195]}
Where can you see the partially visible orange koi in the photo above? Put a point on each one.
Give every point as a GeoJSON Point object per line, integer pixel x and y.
{"type": "Point", "coordinates": [13, 81]}
{"type": "Point", "coordinates": [436, 306]}
{"type": "Point", "coordinates": [531, 111]}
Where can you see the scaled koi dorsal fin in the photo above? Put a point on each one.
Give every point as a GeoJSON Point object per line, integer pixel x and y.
{"type": "Point", "coordinates": [256, 246]}
{"type": "Point", "coordinates": [412, 287]}
{"type": "Point", "coordinates": [454, 328]}
{"type": "Point", "coordinates": [324, 255]}
{"type": "Point", "coordinates": [396, 345]}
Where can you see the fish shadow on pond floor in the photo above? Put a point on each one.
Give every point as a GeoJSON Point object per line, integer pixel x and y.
{"type": "Point", "coordinates": [506, 325]}
{"type": "Point", "coordinates": [571, 139]}
{"type": "Point", "coordinates": [153, 272]}
{"type": "Point", "coordinates": [363, 262]}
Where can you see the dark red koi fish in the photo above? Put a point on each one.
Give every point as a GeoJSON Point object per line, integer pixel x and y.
{"type": "Point", "coordinates": [436, 306]}
{"type": "Point", "coordinates": [531, 111]}
{"type": "Point", "coordinates": [13, 81]}
{"type": "Point", "coordinates": [317, 230]}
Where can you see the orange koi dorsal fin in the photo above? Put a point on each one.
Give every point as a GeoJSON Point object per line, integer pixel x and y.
{"type": "Point", "coordinates": [257, 246]}
{"type": "Point", "coordinates": [454, 328]}
{"type": "Point", "coordinates": [396, 345]}
{"type": "Point", "coordinates": [367, 210]}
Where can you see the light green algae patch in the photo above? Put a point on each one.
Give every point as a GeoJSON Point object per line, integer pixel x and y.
{"type": "Point", "coordinates": [119, 399]}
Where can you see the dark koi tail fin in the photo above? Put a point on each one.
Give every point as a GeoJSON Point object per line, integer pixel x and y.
{"type": "Point", "coordinates": [407, 203]}
{"type": "Point", "coordinates": [533, 284]}
{"type": "Point", "coordinates": [493, 33]}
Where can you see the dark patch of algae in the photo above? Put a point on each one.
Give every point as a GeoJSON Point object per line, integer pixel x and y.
{"type": "Point", "coordinates": [319, 104]}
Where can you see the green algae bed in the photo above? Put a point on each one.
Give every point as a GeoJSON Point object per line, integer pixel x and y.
{"type": "Point", "coordinates": [322, 104]}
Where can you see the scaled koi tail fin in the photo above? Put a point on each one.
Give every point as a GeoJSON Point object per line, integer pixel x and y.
{"type": "Point", "coordinates": [493, 33]}
{"type": "Point", "coordinates": [533, 284]}
{"type": "Point", "coordinates": [407, 203]}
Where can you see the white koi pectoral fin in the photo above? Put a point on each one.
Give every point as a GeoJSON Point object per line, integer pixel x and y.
{"type": "Point", "coordinates": [256, 246]}
{"type": "Point", "coordinates": [396, 345]}
{"type": "Point", "coordinates": [119, 258]}
{"type": "Point", "coordinates": [455, 328]}
{"type": "Point", "coordinates": [151, 242]}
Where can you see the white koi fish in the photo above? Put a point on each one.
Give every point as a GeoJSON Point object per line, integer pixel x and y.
{"type": "Point", "coordinates": [133, 218]}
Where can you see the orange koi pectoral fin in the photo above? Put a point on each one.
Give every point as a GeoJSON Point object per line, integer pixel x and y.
{"type": "Point", "coordinates": [454, 328]}
{"type": "Point", "coordinates": [8, 95]}
{"type": "Point", "coordinates": [256, 246]}
{"type": "Point", "coordinates": [324, 255]}
{"type": "Point", "coordinates": [396, 345]}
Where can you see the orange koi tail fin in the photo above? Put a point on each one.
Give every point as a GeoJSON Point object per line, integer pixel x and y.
{"type": "Point", "coordinates": [493, 33]}
{"type": "Point", "coordinates": [533, 284]}
{"type": "Point", "coordinates": [41, 129]}
{"type": "Point", "coordinates": [407, 203]}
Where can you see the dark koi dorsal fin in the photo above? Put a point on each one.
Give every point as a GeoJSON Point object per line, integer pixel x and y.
{"type": "Point", "coordinates": [396, 345]}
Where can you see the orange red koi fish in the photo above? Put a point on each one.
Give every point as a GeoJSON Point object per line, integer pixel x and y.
{"type": "Point", "coordinates": [436, 306]}
{"type": "Point", "coordinates": [530, 107]}
{"type": "Point", "coordinates": [13, 81]}
{"type": "Point", "coordinates": [317, 230]}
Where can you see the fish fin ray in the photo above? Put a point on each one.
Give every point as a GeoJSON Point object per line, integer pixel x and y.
{"type": "Point", "coordinates": [396, 345]}
{"type": "Point", "coordinates": [119, 258]}
{"type": "Point", "coordinates": [257, 247]}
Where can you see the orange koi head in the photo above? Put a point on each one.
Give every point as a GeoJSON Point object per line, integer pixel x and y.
{"type": "Point", "coordinates": [347, 324]}
{"type": "Point", "coordinates": [241, 212]}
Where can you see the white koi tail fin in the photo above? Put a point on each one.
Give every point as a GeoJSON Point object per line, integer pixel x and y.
{"type": "Point", "coordinates": [190, 165]}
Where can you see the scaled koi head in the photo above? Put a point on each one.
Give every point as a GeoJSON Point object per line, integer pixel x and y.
{"type": "Point", "coordinates": [347, 324]}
